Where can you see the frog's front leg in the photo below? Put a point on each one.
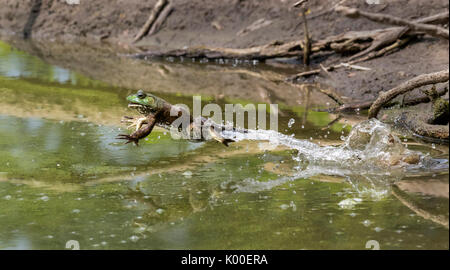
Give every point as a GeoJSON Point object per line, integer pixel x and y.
{"type": "Point", "coordinates": [145, 128]}
{"type": "Point", "coordinates": [138, 123]}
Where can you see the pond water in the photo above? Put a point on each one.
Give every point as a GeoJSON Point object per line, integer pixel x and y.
{"type": "Point", "coordinates": [64, 176]}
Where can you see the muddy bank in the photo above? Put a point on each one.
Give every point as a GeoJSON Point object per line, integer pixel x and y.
{"type": "Point", "coordinates": [263, 84]}
{"type": "Point", "coordinates": [221, 24]}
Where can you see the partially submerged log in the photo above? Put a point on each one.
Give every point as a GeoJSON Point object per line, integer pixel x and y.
{"type": "Point", "coordinates": [272, 50]}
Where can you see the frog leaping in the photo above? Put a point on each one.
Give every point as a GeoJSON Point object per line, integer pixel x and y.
{"type": "Point", "coordinates": [157, 111]}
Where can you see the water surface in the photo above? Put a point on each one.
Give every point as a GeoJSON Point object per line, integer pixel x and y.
{"type": "Point", "coordinates": [63, 176]}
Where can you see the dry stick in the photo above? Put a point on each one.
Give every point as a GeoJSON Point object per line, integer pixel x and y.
{"type": "Point", "coordinates": [307, 39]}
{"type": "Point", "coordinates": [161, 18]}
{"type": "Point", "coordinates": [307, 45]}
{"type": "Point", "coordinates": [421, 80]}
{"type": "Point", "coordinates": [331, 94]}
{"type": "Point", "coordinates": [432, 30]}
{"type": "Point", "coordinates": [151, 19]}
{"type": "Point", "coordinates": [299, 3]}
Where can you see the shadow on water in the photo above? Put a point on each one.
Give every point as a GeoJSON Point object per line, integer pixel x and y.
{"type": "Point", "coordinates": [64, 177]}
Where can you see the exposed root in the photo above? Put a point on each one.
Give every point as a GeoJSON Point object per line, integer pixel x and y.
{"type": "Point", "coordinates": [421, 80]}
{"type": "Point", "coordinates": [432, 30]}
{"type": "Point", "coordinates": [371, 55]}
{"type": "Point", "coordinates": [417, 123]}
{"type": "Point", "coordinates": [352, 107]}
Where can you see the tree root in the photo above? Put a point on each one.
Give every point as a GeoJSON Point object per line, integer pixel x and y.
{"type": "Point", "coordinates": [360, 42]}
{"type": "Point", "coordinates": [417, 123]}
{"type": "Point", "coordinates": [352, 107]}
{"type": "Point", "coordinates": [421, 80]}
{"type": "Point", "coordinates": [350, 64]}
{"type": "Point", "coordinates": [432, 30]}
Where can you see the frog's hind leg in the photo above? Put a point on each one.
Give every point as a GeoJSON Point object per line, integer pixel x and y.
{"type": "Point", "coordinates": [216, 136]}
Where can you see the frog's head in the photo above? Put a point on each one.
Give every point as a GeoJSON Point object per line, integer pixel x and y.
{"type": "Point", "coordinates": [144, 103]}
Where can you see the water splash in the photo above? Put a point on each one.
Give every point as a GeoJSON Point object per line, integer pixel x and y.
{"type": "Point", "coordinates": [370, 159]}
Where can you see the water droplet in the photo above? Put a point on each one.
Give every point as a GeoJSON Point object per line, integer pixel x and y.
{"type": "Point", "coordinates": [291, 122]}
{"type": "Point", "coordinates": [378, 229]}
{"type": "Point", "coordinates": [187, 174]}
{"type": "Point", "coordinates": [367, 223]}
{"type": "Point", "coordinates": [134, 238]}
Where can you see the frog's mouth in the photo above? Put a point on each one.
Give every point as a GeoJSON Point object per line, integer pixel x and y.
{"type": "Point", "coordinates": [142, 109]}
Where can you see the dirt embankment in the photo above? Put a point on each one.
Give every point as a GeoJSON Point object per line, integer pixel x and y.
{"type": "Point", "coordinates": [225, 24]}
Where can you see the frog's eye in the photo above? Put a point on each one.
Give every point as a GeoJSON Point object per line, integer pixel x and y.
{"type": "Point", "coordinates": [141, 94]}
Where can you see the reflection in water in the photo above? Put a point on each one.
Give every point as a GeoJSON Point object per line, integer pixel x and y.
{"type": "Point", "coordinates": [17, 64]}
{"type": "Point", "coordinates": [64, 177]}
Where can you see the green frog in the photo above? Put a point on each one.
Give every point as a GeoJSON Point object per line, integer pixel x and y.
{"type": "Point", "coordinates": [157, 111]}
